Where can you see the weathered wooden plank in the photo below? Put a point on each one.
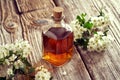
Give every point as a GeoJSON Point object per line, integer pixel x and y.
{"type": "Point", "coordinates": [74, 8]}
{"type": "Point", "coordinates": [75, 69]}
{"type": "Point", "coordinates": [27, 5]}
{"type": "Point", "coordinates": [33, 34]}
{"type": "Point", "coordinates": [9, 18]}
{"type": "Point", "coordinates": [102, 66]}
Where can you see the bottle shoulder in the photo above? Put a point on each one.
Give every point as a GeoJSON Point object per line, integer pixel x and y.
{"type": "Point", "coordinates": [58, 33]}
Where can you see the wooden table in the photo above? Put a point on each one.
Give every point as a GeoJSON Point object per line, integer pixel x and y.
{"type": "Point", "coordinates": [83, 66]}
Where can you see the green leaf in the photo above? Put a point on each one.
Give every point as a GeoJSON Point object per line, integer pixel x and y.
{"type": "Point", "coordinates": [1, 61]}
{"type": "Point", "coordinates": [25, 61]}
{"type": "Point", "coordinates": [83, 42]}
{"type": "Point", "coordinates": [11, 52]}
{"type": "Point", "coordinates": [88, 25]}
{"type": "Point", "coordinates": [20, 71]}
{"type": "Point", "coordinates": [81, 18]}
{"type": "Point", "coordinates": [31, 70]}
{"type": "Point", "coordinates": [95, 32]}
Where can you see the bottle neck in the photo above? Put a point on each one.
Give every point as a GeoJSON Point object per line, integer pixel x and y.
{"type": "Point", "coordinates": [57, 23]}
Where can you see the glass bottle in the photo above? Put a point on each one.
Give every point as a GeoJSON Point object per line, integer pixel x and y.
{"type": "Point", "coordinates": [58, 40]}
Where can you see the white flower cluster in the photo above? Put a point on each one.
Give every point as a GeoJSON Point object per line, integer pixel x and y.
{"type": "Point", "coordinates": [77, 29]}
{"type": "Point", "coordinates": [9, 54]}
{"type": "Point", "coordinates": [100, 22]}
{"type": "Point", "coordinates": [98, 42]}
{"type": "Point", "coordinates": [20, 47]}
{"type": "Point", "coordinates": [19, 64]}
{"type": "Point", "coordinates": [3, 52]}
{"type": "Point", "coordinates": [10, 72]}
{"type": "Point", "coordinates": [42, 74]}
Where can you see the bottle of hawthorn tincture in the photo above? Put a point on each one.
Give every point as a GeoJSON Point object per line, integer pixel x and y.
{"type": "Point", "coordinates": [58, 40]}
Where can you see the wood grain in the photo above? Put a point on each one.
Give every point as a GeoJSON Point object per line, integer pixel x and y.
{"type": "Point", "coordinates": [75, 69]}
{"type": "Point", "coordinates": [32, 33]}
{"type": "Point", "coordinates": [30, 5]}
{"type": "Point", "coordinates": [9, 18]}
{"type": "Point", "coordinates": [74, 8]}
{"type": "Point", "coordinates": [8, 15]}
{"type": "Point", "coordinates": [102, 66]}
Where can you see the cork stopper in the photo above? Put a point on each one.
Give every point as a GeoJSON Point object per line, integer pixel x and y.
{"type": "Point", "coordinates": [57, 13]}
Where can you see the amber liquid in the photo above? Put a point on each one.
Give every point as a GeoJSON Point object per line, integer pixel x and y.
{"type": "Point", "coordinates": [58, 46]}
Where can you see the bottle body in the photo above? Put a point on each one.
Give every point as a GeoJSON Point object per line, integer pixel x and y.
{"type": "Point", "coordinates": [58, 45]}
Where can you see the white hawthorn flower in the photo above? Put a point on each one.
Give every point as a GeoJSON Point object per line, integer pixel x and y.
{"type": "Point", "coordinates": [10, 72]}
{"type": "Point", "coordinates": [20, 47]}
{"type": "Point", "coordinates": [23, 48]}
{"type": "Point", "coordinates": [13, 57]}
{"type": "Point", "coordinates": [7, 62]}
{"type": "Point", "coordinates": [9, 46]}
{"type": "Point", "coordinates": [1, 55]}
{"type": "Point", "coordinates": [3, 52]}
{"type": "Point", "coordinates": [42, 74]}
{"type": "Point", "coordinates": [100, 22]}
{"type": "Point", "coordinates": [77, 29]}
{"type": "Point", "coordinates": [100, 33]}
{"type": "Point", "coordinates": [98, 42]}
{"type": "Point", "coordinates": [19, 64]}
